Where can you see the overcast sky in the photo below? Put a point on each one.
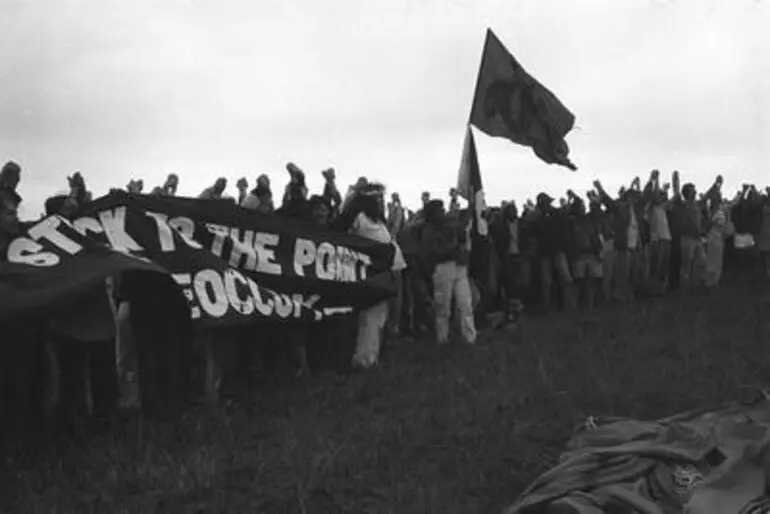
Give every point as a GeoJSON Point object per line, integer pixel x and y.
{"type": "Point", "coordinates": [203, 88]}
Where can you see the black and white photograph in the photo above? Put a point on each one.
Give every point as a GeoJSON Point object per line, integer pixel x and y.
{"type": "Point", "coordinates": [385, 256]}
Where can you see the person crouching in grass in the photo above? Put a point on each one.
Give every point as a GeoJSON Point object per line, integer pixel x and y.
{"type": "Point", "coordinates": [445, 246]}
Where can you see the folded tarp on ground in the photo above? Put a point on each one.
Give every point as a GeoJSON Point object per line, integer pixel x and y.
{"type": "Point", "coordinates": [699, 462]}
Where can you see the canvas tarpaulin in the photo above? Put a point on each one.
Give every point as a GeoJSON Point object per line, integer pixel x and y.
{"type": "Point", "coordinates": [233, 265]}
{"type": "Point", "coordinates": [700, 462]}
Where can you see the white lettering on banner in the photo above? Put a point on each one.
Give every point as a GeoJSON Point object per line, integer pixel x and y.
{"type": "Point", "coordinates": [165, 235]}
{"type": "Point", "coordinates": [48, 230]}
{"type": "Point", "coordinates": [243, 247]}
{"type": "Point", "coordinates": [340, 264]}
{"type": "Point", "coordinates": [219, 232]}
{"type": "Point", "coordinates": [346, 271]}
{"type": "Point", "coordinates": [23, 250]}
{"type": "Point", "coordinates": [209, 281]}
{"type": "Point", "coordinates": [265, 244]}
{"type": "Point", "coordinates": [86, 225]}
{"type": "Point", "coordinates": [326, 262]}
{"type": "Point", "coordinates": [114, 223]}
{"type": "Point", "coordinates": [184, 280]}
{"type": "Point", "coordinates": [186, 229]}
{"type": "Point", "coordinates": [210, 292]}
{"type": "Point", "coordinates": [304, 255]}
{"type": "Point", "coordinates": [244, 306]}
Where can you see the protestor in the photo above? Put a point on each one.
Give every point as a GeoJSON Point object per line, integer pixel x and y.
{"type": "Point", "coordinates": [447, 251]}
{"type": "Point", "coordinates": [660, 232]}
{"type": "Point", "coordinates": [367, 212]}
{"type": "Point", "coordinates": [135, 186]}
{"type": "Point", "coordinates": [626, 240]}
{"type": "Point", "coordinates": [689, 216]}
{"type": "Point", "coordinates": [396, 216]}
{"type": "Point", "coordinates": [126, 356]}
{"type": "Point", "coordinates": [216, 191]}
{"type": "Point", "coordinates": [261, 197]}
{"type": "Point", "coordinates": [550, 227]}
{"type": "Point", "coordinates": [320, 211]}
{"type": "Point", "coordinates": [330, 192]}
{"type": "Point", "coordinates": [168, 188]}
{"type": "Point", "coordinates": [417, 280]}
{"type": "Point", "coordinates": [243, 190]}
{"type": "Point", "coordinates": [20, 337]}
{"type": "Point", "coordinates": [296, 190]}
{"type": "Point", "coordinates": [454, 202]}
{"type": "Point", "coordinates": [295, 203]}
{"type": "Point", "coordinates": [424, 199]}
{"type": "Point", "coordinates": [584, 248]}
{"type": "Point", "coordinates": [721, 229]}
{"type": "Point", "coordinates": [506, 233]}
{"type": "Point", "coordinates": [10, 227]}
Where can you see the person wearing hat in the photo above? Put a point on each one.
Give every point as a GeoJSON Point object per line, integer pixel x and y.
{"type": "Point", "coordinates": [445, 247]}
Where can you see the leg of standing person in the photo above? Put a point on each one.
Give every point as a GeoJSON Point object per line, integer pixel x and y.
{"type": "Point", "coordinates": [622, 289]}
{"type": "Point", "coordinates": [609, 256]}
{"type": "Point", "coordinates": [371, 321]}
{"type": "Point", "coordinates": [464, 302]}
{"type": "Point", "coordinates": [687, 256]}
{"type": "Point", "coordinates": [665, 262]}
{"type": "Point", "coordinates": [443, 284]}
{"type": "Point", "coordinates": [565, 280]}
{"type": "Point", "coordinates": [579, 265]}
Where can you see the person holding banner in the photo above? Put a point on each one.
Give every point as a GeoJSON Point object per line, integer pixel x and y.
{"type": "Point", "coordinates": [367, 211]}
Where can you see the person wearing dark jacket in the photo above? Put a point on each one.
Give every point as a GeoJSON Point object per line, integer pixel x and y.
{"type": "Point", "coordinates": [550, 226]}
{"type": "Point", "coordinates": [505, 232]}
{"type": "Point", "coordinates": [584, 249]}
{"type": "Point", "coordinates": [446, 251]}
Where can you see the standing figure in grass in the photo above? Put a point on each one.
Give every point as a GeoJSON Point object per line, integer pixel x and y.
{"type": "Point", "coordinates": [367, 212]}
{"type": "Point", "coordinates": [721, 229]}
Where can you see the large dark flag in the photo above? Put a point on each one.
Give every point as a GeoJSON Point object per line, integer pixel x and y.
{"type": "Point", "coordinates": [511, 104]}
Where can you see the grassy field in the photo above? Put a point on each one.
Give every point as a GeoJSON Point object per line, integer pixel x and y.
{"type": "Point", "coordinates": [454, 430]}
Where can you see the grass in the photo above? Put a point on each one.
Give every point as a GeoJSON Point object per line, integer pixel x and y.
{"type": "Point", "coordinates": [454, 430]}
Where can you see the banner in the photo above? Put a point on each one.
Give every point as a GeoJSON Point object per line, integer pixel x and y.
{"type": "Point", "coordinates": [233, 265]}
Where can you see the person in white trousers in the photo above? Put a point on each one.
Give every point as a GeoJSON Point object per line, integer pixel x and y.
{"type": "Point", "coordinates": [445, 244]}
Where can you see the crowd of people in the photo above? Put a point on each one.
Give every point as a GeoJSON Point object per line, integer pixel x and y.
{"type": "Point", "coordinates": [449, 265]}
